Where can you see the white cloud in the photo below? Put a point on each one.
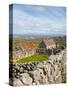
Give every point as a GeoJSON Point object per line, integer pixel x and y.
{"type": "Point", "coordinates": [39, 8]}
{"type": "Point", "coordinates": [25, 23]}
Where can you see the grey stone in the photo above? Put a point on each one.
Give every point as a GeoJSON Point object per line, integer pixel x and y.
{"type": "Point", "coordinates": [17, 67]}
{"type": "Point", "coordinates": [25, 71]}
{"type": "Point", "coordinates": [26, 79]}
{"type": "Point", "coordinates": [40, 65]}
{"type": "Point", "coordinates": [21, 69]}
{"type": "Point", "coordinates": [46, 72]}
{"type": "Point", "coordinates": [17, 82]}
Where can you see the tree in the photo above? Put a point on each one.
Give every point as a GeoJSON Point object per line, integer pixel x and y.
{"type": "Point", "coordinates": [60, 42]}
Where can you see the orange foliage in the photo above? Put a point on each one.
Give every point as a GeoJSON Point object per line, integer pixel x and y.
{"type": "Point", "coordinates": [29, 46]}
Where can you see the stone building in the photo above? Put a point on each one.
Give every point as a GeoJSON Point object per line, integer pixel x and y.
{"type": "Point", "coordinates": [45, 45]}
{"type": "Point", "coordinates": [30, 49]}
{"type": "Point", "coordinates": [48, 44]}
{"type": "Point", "coordinates": [24, 50]}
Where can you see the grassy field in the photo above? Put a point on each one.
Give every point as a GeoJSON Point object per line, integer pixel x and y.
{"type": "Point", "coordinates": [34, 58]}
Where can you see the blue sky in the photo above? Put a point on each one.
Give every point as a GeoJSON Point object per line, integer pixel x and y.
{"type": "Point", "coordinates": [39, 20]}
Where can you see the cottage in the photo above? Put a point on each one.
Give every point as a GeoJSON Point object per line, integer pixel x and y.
{"type": "Point", "coordinates": [48, 44]}
{"type": "Point", "coordinates": [24, 50]}
{"type": "Point", "coordinates": [29, 49]}
{"type": "Point", "coordinates": [45, 45]}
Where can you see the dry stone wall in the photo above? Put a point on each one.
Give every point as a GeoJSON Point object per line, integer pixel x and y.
{"type": "Point", "coordinates": [52, 71]}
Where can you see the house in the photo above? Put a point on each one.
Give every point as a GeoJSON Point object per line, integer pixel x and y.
{"type": "Point", "coordinates": [29, 49]}
{"type": "Point", "coordinates": [45, 44]}
{"type": "Point", "coordinates": [48, 44]}
{"type": "Point", "coordinates": [25, 50]}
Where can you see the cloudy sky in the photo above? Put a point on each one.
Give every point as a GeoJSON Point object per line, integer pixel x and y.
{"type": "Point", "coordinates": [39, 20]}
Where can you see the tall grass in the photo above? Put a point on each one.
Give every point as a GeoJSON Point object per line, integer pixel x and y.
{"type": "Point", "coordinates": [34, 58]}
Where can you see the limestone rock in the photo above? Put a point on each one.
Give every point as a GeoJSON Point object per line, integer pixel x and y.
{"type": "Point", "coordinates": [26, 79]}
{"type": "Point", "coordinates": [17, 82]}
{"type": "Point", "coordinates": [21, 70]}
{"type": "Point", "coordinates": [46, 72]}
{"type": "Point", "coordinates": [40, 65]}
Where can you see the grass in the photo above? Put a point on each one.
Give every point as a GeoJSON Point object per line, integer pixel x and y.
{"type": "Point", "coordinates": [34, 58]}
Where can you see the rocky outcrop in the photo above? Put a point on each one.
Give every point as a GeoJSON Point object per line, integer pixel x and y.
{"type": "Point", "coordinates": [52, 71]}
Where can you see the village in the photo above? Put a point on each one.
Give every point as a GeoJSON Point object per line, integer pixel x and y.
{"type": "Point", "coordinates": [45, 46]}
{"type": "Point", "coordinates": [48, 71]}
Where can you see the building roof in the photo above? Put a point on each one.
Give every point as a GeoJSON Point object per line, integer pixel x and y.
{"type": "Point", "coordinates": [29, 46]}
{"type": "Point", "coordinates": [49, 42]}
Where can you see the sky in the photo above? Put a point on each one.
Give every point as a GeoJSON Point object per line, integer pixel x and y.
{"type": "Point", "coordinates": [39, 20]}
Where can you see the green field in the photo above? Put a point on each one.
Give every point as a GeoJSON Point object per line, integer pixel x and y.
{"type": "Point", "coordinates": [34, 58]}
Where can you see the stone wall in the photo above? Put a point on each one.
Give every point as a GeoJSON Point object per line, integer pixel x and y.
{"type": "Point", "coordinates": [23, 53]}
{"type": "Point", "coordinates": [52, 71]}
